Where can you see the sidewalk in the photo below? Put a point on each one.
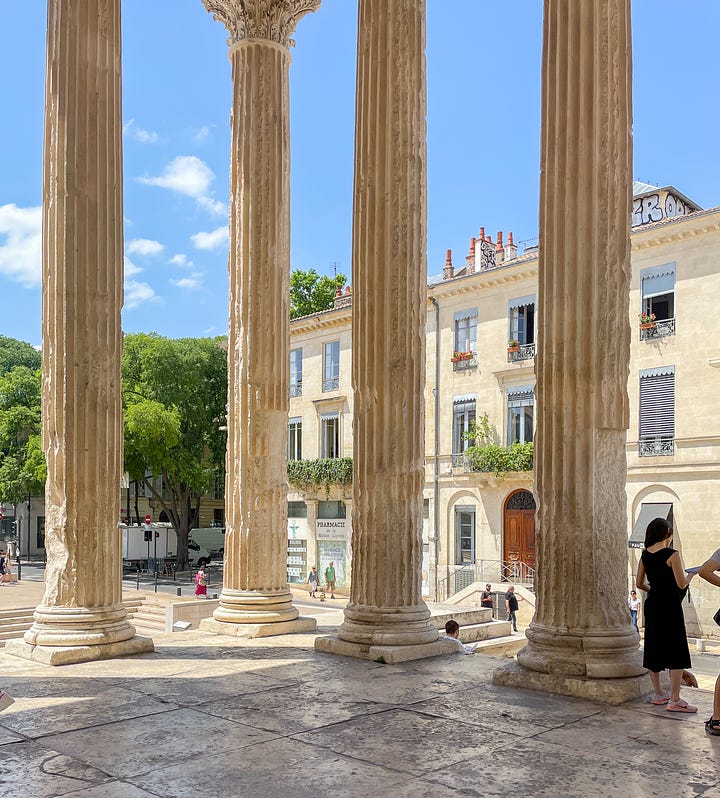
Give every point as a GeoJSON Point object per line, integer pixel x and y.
{"type": "Point", "coordinates": [206, 715]}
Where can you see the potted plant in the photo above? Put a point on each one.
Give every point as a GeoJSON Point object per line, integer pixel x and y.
{"type": "Point", "coordinates": [513, 345]}
{"type": "Point", "coordinates": [458, 356]}
{"type": "Point", "coordinates": [647, 321]}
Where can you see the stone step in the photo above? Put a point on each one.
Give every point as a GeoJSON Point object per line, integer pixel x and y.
{"type": "Point", "coordinates": [16, 612]}
{"type": "Point", "coordinates": [502, 646]}
{"type": "Point", "coordinates": [465, 616]}
{"type": "Point", "coordinates": [488, 630]}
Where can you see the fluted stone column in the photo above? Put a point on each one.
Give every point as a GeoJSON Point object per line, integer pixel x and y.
{"type": "Point", "coordinates": [81, 616]}
{"type": "Point", "coordinates": [581, 629]}
{"type": "Point", "coordinates": [386, 615]}
{"type": "Point", "coordinates": [255, 599]}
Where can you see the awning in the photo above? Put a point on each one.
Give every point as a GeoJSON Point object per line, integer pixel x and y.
{"type": "Point", "coordinates": [646, 515]}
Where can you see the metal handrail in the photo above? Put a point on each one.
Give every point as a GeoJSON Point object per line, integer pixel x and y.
{"type": "Point", "coordinates": [484, 571]}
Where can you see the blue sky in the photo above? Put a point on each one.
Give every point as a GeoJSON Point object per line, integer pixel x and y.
{"type": "Point", "coordinates": [483, 140]}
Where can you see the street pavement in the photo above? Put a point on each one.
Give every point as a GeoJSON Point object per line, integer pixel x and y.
{"type": "Point", "coordinates": [208, 715]}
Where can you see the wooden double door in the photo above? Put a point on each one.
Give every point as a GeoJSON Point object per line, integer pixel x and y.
{"type": "Point", "coordinates": [519, 536]}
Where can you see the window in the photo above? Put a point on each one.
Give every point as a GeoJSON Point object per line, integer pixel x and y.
{"type": "Point", "coordinates": [331, 510]}
{"type": "Point", "coordinates": [218, 491]}
{"type": "Point", "coordinates": [426, 508]}
{"type": "Point", "coordinates": [520, 405]}
{"type": "Point", "coordinates": [657, 412]}
{"type": "Point", "coordinates": [331, 366]}
{"type": "Point", "coordinates": [294, 448]}
{"type": "Point", "coordinates": [297, 510]}
{"type": "Point", "coordinates": [218, 517]}
{"type": "Point", "coordinates": [296, 372]}
{"type": "Point", "coordinates": [464, 535]}
{"type": "Point", "coordinates": [40, 532]}
{"type": "Point", "coordinates": [330, 435]}
{"type": "Point", "coordinates": [466, 330]}
{"type": "Point", "coordinates": [657, 287]}
{"type": "Point", "coordinates": [463, 416]}
{"type": "Point", "coordinates": [521, 313]}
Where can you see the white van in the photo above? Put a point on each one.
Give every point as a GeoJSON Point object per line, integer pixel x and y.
{"type": "Point", "coordinates": [206, 544]}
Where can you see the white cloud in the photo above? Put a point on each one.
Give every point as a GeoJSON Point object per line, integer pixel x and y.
{"type": "Point", "coordinates": [143, 246]}
{"type": "Point", "coordinates": [143, 136]}
{"type": "Point", "coordinates": [138, 293]}
{"type": "Point", "coordinates": [203, 134]}
{"type": "Point", "coordinates": [213, 205]}
{"type": "Point", "coordinates": [191, 283]}
{"type": "Point", "coordinates": [21, 251]}
{"type": "Point", "coordinates": [130, 268]}
{"type": "Point", "coordinates": [215, 240]}
{"type": "Point", "coordinates": [181, 260]}
{"type": "Point", "coordinates": [186, 174]}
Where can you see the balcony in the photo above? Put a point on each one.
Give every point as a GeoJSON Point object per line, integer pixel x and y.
{"type": "Point", "coordinates": [295, 389]}
{"type": "Point", "coordinates": [466, 360]}
{"type": "Point", "coordinates": [331, 384]}
{"type": "Point", "coordinates": [659, 329]}
{"type": "Point", "coordinates": [658, 446]}
{"type": "Point", "coordinates": [521, 352]}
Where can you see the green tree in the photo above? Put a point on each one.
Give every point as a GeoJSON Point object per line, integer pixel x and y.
{"type": "Point", "coordinates": [22, 464]}
{"type": "Point", "coordinates": [174, 397]}
{"type": "Point", "coordinates": [310, 293]}
{"type": "Point", "coordinates": [17, 353]}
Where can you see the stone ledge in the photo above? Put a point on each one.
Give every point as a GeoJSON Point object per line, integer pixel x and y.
{"type": "Point", "coordinates": [250, 630]}
{"type": "Point", "coordinates": [70, 655]}
{"type": "Point", "coordinates": [606, 691]}
{"type": "Point", "coordinates": [390, 655]}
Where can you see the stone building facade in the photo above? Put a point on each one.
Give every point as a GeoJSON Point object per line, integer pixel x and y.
{"type": "Point", "coordinates": [479, 526]}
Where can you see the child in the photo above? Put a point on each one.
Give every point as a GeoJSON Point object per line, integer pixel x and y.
{"type": "Point", "coordinates": [200, 584]}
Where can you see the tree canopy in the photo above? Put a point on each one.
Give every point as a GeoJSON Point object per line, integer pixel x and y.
{"type": "Point", "coordinates": [22, 464]}
{"type": "Point", "coordinates": [17, 353]}
{"type": "Point", "coordinates": [174, 398]}
{"type": "Point", "coordinates": [311, 293]}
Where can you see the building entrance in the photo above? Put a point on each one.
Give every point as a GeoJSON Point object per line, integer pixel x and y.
{"type": "Point", "coordinates": [519, 537]}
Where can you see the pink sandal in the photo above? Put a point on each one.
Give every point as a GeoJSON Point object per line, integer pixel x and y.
{"type": "Point", "coordinates": [680, 706]}
{"type": "Point", "coordinates": [659, 700]}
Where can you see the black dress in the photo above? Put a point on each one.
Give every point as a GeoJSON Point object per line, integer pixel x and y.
{"type": "Point", "coordinates": [666, 643]}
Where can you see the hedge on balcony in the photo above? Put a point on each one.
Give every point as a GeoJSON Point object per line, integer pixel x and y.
{"type": "Point", "coordinates": [311, 475]}
{"type": "Point", "coordinates": [500, 459]}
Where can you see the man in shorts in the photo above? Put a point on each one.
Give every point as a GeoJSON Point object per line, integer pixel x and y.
{"type": "Point", "coordinates": [708, 571]}
{"type": "Point", "coordinates": [330, 578]}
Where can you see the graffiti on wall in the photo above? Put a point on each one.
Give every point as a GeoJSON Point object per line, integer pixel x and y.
{"type": "Point", "coordinates": [655, 207]}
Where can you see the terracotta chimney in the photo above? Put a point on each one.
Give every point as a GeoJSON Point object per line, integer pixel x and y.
{"type": "Point", "coordinates": [499, 249]}
{"type": "Point", "coordinates": [338, 292]}
{"type": "Point", "coordinates": [348, 291]}
{"type": "Point", "coordinates": [510, 248]}
{"type": "Point", "coordinates": [448, 271]}
{"type": "Point", "coordinates": [482, 234]}
{"type": "Point", "coordinates": [470, 258]}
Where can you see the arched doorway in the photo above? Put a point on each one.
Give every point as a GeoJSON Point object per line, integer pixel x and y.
{"type": "Point", "coordinates": [519, 536]}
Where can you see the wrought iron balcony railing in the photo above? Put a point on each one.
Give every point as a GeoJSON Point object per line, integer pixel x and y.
{"type": "Point", "coordinates": [524, 352]}
{"type": "Point", "coordinates": [657, 446]}
{"type": "Point", "coordinates": [660, 329]}
{"type": "Point", "coordinates": [331, 384]}
{"type": "Point", "coordinates": [295, 389]}
{"type": "Point", "coordinates": [465, 364]}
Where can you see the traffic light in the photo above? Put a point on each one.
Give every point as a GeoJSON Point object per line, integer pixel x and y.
{"type": "Point", "coordinates": [148, 535]}
{"type": "Point", "coordinates": [14, 527]}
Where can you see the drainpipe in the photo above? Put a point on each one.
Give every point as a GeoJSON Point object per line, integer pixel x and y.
{"type": "Point", "coordinates": [436, 449]}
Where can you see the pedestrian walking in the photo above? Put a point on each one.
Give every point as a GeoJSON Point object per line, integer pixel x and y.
{"type": "Point", "coordinates": [330, 578]}
{"type": "Point", "coordinates": [313, 579]}
{"type": "Point", "coordinates": [662, 576]}
{"type": "Point", "coordinates": [200, 584]}
{"type": "Point", "coordinates": [511, 604]}
{"type": "Point", "coordinates": [634, 606]}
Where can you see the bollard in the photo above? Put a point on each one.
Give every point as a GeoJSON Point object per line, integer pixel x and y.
{"type": "Point", "coordinates": [700, 645]}
{"type": "Point", "coordinates": [178, 591]}
{"type": "Point", "coordinates": [137, 583]}
{"type": "Point", "coordinates": [156, 576]}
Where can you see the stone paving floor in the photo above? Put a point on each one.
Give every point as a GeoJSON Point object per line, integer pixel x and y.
{"type": "Point", "coordinates": [208, 716]}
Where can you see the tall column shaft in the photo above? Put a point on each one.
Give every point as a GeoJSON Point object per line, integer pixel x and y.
{"type": "Point", "coordinates": [82, 337]}
{"type": "Point", "coordinates": [581, 625]}
{"type": "Point", "coordinates": [255, 588]}
{"type": "Point", "coordinates": [389, 284]}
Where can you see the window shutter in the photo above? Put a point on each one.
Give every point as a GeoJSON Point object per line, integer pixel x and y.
{"type": "Point", "coordinates": [657, 404]}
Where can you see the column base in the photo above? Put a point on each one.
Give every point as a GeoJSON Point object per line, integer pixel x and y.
{"type": "Point", "coordinates": [70, 655]}
{"type": "Point", "coordinates": [255, 607]}
{"type": "Point", "coordinates": [390, 655]}
{"type": "Point", "coordinates": [606, 691]}
{"type": "Point", "coordinates": [250, 630]}
{"type": "Point", "coordinates": [595, 653]}
{"type": "Point", "coordinates": [372, 626]}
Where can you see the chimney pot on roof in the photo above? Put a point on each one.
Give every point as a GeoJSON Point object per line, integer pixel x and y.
{"type": "Point", "coordinates": [448, 271]}
{"type": "Point", "coordinates": [338, 291]}
{"type": "Point", "coordinates": [500, 237]}
{"type": "Point", "coordinates": [472, 245]}
{"type": "Point", "coordinates": [347, 290]}
{"type": "Point", "coordinates": [482, 234]}
{"type": "Point", "coordinates": [510, 248]}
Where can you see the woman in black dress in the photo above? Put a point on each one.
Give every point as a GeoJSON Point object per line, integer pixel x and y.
{"type": "Point", "coordinates": [666, 643]}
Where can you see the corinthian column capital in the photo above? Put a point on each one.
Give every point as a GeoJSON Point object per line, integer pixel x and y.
{"type": "Point", "coordinates": [274, 20]}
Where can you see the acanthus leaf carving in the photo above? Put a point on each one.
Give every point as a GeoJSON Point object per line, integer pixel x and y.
{"type": "Point", "coordinates": [274, 20]}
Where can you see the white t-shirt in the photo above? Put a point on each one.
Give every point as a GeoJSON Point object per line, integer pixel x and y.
{"type": "Point", "coordinates": [462, 648]}
{"type": "Point", "coordinates": [633, 603]}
